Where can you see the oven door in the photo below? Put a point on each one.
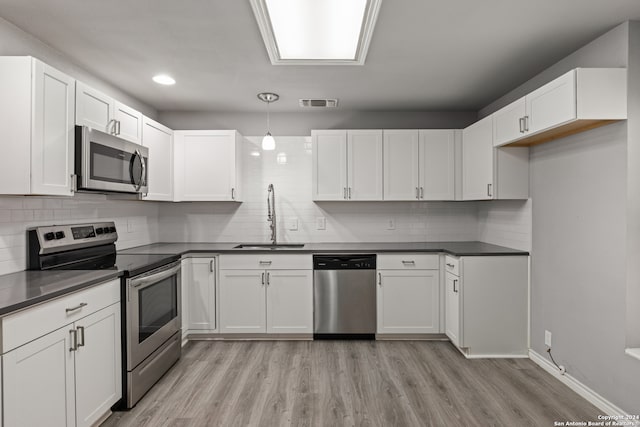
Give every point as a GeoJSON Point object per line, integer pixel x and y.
{"type": "Point", "coordinates": [153, 311]}
{"type": "Point", "coordinates": [109, 163]}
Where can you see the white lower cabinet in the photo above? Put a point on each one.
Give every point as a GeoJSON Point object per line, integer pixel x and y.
{"type": "Point", "coordinates": [487, 305]}
{"type": "Point", "coordinates": [408, 298]}
{"type": "Point", "coordinates": [258, 299]}
{"type": "Point", "coordinates": [199, 290]}
{"type": "Point", "coordinates": [70, 376]}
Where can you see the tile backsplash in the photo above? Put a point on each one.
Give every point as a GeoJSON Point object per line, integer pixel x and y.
{"type": "Point", "coordinates": [506, 223]}
{"type": "Point", "coordinates": [136, 221]}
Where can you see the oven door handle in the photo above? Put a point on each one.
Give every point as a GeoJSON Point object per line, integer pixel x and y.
{"type": "Point", "coordinates": [154, 278]}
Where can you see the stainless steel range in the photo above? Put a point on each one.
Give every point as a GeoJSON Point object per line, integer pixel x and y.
{"type": "Point", "coordinates": [150, 294]}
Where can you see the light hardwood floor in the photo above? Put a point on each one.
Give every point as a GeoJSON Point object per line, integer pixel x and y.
{"type": "Point", "coordinates": [351, 383]}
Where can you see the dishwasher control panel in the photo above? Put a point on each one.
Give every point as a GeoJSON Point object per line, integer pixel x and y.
{"type": "Point", "coordinates": [344, 262]}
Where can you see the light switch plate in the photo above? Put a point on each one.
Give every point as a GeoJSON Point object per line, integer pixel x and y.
{"type": "Point", "coordinates": [391, 224]}
{"type": "Point", "coordinates": [321, 223]}
{"type": "Point", "coordinates": [292, 224]}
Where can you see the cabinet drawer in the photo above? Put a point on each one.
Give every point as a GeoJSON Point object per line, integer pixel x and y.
{"type": "Point", "coordinates": [452, 265]}
{"type": "Point", "coordinates": [266, 261]}
{"type": "Point", "coordinates": [32, 323]}
{"type": "Point", "coordinates": [407, 261]}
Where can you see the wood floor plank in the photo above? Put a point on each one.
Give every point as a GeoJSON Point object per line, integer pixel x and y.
{"type": "Point", "coordinates": [350, 383]}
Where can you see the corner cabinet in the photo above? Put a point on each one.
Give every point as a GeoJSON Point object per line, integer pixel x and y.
{"type": "Point", "coordinates": [487, 305]}
{"type": "Point", "coordinates": [36, 120]}
{"type": "Point", "coordinates": [347, 164]}
{"type": "Point", "coordinates": [159, 139]}
{"type": "Point", "coordinates": [207, 165]}
{"type": "Point", "coordinates": [492, 173]}
{"type": "Point", "coordinates": [408, 294]}
{"type": "Point", "coordinates": [420, 164]}
{"type": "Point", "coordinates": [61, 362]}
{"type": "Point", "coordinates": [101, 112]}
{"type": "Point", "coordinates": [579, 100]}
{"type": "Point", "coordinates": [266, 294]}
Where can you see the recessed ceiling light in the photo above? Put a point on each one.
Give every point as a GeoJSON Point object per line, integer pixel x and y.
{"type": "Point", "coordinates": [316, 32]}
{"type": "Point", "coordinates": [163, 79]}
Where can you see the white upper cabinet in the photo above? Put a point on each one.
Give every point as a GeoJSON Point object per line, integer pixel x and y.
{"type": "Point", "coordinates": [579, 100]}
{"type": "Point", "coordinates": [347, 164]}
{"type": "Point", "coordinates": [401, 172]}
{"type": "Point", "coordinates": [36, 120]}
{"type": "Point", "coordinates": [100, 111]}
{"type": "Point", "coordinates": [437, 164]}
{"type": "Point", "coordinates": [364, 165]}
{"type": "Point", "coordinates": [159, 140]}
{"type": "Point", "coordinates": [419, 164]}
{"type": "Point", "coordinates": [207, 165]}
{"type": "Point", "coordinates": [492, 173]}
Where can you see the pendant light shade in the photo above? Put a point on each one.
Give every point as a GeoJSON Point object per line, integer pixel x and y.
{"type": "Point", "coordinates": [268, 142]}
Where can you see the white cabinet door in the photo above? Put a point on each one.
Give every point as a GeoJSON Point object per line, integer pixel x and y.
{"type": "Point", "coordinates": [98, 364]}
{"type": "Point", "coordinates": [477, 160]}
{"type": "Point", "coordinates": [508, 122]}
{"type": "Point", "coordinates": [242, 301]}
{"type": "Point", "coordinates": [94, 109]}
{"type": "Point", "coordinates": [437, 164]}
{"type": "Point", "coordinates": [52, 141]}
{"type": "Point", "coordinates": [329, 168]}
{"type": "Point", "coordinates": [205, 165]}
{"type": "Point", "coordinates": [452, 307]}
{"type": "Point", "coordinates": [364, 164]}
{"type": "Point", "coordinates": [202, 295]}
{"type": "Point", "coordinates": [159, 140]}
{"type": "Point", "coordinates": [38, 382]}
{"type": "Point", "coordinates": [552, 104]}
{"type": "Point", "coordinates": [289, 301]}
{"type": "Point", "coordinates": [401, 164]}
{"type": "Point", "coordinates": [128, 123]}
{"type": "Point", "coordinates": [408, 301]}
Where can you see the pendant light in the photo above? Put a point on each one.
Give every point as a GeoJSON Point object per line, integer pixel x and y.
{"type": "Point", "coordinates": [268, 143]}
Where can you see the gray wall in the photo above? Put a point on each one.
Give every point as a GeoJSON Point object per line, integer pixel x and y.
{"type": "Point", "coordinates": [300, 124]}
{"type": "Point", "coordinates": [16, 42]}
{"type": "Point", "coordinates": [579, 244]}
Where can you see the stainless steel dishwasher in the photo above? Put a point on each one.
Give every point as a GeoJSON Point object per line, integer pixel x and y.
{"type": "Point", "coordinates": [344, 296]}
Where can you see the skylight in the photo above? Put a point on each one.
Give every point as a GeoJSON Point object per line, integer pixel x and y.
{"type": "Point", "coordinates": [316, 32]}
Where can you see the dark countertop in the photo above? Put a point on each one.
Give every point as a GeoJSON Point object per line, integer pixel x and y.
{"type": "Point", "coordinates": [453, 248]}
{"type": "Point", "coordinates": [26, 288]}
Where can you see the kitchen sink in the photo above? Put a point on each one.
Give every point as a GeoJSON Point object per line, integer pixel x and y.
{"type": "Point", "coordinates": [270, 246]}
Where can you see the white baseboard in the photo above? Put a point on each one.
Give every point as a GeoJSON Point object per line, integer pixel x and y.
{"type": "Point", "coordinates": [591, 396]}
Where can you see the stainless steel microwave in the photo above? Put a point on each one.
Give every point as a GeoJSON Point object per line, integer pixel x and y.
{"type": "Point", "coordinates": [107, 163]}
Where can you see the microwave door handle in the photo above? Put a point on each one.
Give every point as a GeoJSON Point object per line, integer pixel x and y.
{"type": "Point", "coordinates": [142, 171]}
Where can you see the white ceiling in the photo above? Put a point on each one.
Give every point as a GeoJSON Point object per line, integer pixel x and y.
{"type": "Point", "coordinates": [424, 55]}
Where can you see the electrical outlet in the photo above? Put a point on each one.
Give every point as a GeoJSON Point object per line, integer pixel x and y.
{"type": "Point", "coordinates": [292, 224]}
{"type": "Point", "coordinates": [391, 224]}
{"type": "Point", "coordinates": [547, 338]}
{"type": "Point", "coordinates": [321, 223]}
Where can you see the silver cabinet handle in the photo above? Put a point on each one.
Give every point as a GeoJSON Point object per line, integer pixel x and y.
{"type": "Point", "coordinates": [422, 192]}
{"type": "Point", "coordinates": [409, 262]}
{"type": "Point", "coordinates": [268, 278]}
{"type": "Point", "coordinates": [489, 190]}
{"type": "Point", "coordinates": [74, 182]}
{"type": "Point", "coordinates": [526, 123]}
{"type": "Point", "coordinates": [263, 278]}
{"type": "Point", "coordinates": [521, 123]}
{"type": "Point", "coordinates": [80, 330]}
{"type": "Point", "coordinates": [344, 193]}
{"type": "Point", "coordinates": [111, 123]}
{"type": "Point", "coordinates": [233, 193]}
{"type": "Point", "coordinates": [379, 279]}
{"type": "Point", "coordinates": [73, 337]}
{"type": "Point", "coordinates": [117, 127]}
{"type": "Point", "coordinates": [417, 193]}
{"type": "Point", "coordinates": [349, 193]}
{"type": "Point", "coordinates": [455, 282]}
{"type": "Point", "coordinates": [450, 265]}
{"type": "Point", "coordinates": [77, 307]}
{"type": "Point", "coordinates": [265, 262]}
{"type": "Point", "coordinates": [211, 266]}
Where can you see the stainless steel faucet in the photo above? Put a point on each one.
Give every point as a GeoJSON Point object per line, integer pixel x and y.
{"type": "Point", "coordinates": [271, 212]}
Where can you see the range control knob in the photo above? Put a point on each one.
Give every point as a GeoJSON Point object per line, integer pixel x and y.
{"type": "Point", "coordinates": [112, 229]}
{"type": "Point", "coordinates": [99, 230]}
{"type": "Point", "coordinates": [59, 235]}
{"type": "Point", "coordinates": [49, 236]}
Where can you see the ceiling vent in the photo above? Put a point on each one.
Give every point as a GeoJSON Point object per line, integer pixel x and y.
{"type": "Point", "coordinates": [323, 103]}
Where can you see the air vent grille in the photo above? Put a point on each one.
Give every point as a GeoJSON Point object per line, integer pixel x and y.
{"type": "Point", "coordinates": [323, 103]}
